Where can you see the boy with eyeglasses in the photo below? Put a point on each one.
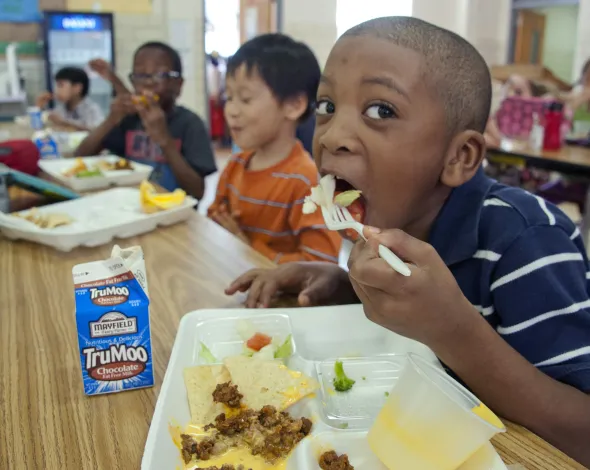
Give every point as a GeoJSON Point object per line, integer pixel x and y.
{"type": "Point", "coordinates": [148, 127]}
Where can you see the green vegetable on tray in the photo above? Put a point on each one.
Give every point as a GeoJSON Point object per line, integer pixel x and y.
{"type": "Point", "coordinates": [88, 173]}
{"type": "Point", "coordinates": [207, 355]}
{"type": "Point", "coordinates": [285, 350]}
{"type": "Point", "coordinates": [342, 383]}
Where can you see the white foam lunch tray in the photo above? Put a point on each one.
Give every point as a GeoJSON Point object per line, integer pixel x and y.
{"type": "Point", "coordinates": [320, 335]}
{"type": "Point", "coordinates": [98, 218]}
{"type": "Point", "coordinates": [56, 167]}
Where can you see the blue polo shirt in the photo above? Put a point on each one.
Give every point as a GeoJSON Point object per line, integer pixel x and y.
{"type": "Point", "coordinates": [521, 262]}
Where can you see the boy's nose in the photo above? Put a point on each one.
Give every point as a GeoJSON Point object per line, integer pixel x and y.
{"type": "Point", "coordinates": [340, 136]}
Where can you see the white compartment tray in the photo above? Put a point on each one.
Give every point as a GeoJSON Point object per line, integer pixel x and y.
{"type": "Point", "coordinates": [320, 335]}
{"type": "Point", "coordinates": [98, 218]}
{"type": "Point", "coordinates": [56, 167]}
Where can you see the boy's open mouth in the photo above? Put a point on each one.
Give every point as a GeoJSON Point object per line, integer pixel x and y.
{"type": "Point", "coordinates": [358, 208]}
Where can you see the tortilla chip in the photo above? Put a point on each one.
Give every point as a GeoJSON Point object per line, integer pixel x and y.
{"type": "Point", "coordinates": [268, 382]}
{"type": "Point", "coordinates": [57, 220]}
{"type": "Point", "coordinates": [200, 382]}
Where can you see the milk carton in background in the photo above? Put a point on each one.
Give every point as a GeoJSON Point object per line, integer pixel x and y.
{"type": "Point", "coordinates": [112, 315]}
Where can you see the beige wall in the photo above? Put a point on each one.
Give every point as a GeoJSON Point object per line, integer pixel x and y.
{"type": "Point", "coordinates": [559, 47]}
{"type": "Point", "coordinates": [485, 23]}
{"type": "Point", "coordinates": [313, 22]}
{"type": "Point", "coordinates": [582, 38]}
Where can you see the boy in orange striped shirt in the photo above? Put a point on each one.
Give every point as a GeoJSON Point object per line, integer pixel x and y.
{"type": "Point", "coordinates": [271, 86]}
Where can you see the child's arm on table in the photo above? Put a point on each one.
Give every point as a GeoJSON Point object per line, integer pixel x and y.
{"type": "Point", "coordinates": [315, 283]}
{"type": "Point", "coordinates": [429, 306]}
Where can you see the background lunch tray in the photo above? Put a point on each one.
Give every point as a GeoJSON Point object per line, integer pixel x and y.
{"type": "Point", "coordinates": [56, 167]}
{"type": "Point", "coordinates": [320, 335]}
{"type": "Point", "coordinates": [98, 218]}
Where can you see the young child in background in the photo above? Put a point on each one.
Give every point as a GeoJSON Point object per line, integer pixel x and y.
{"type": "Point", "coordinates": [499, 287]}
{"type": "Point", "coordinates": [271, 84]}
{"type": "Point", "coordinates": [150, 128]}
{"type": "Point", "coordinates": [73, 108]}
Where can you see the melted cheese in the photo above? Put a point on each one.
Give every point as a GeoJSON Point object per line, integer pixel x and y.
{"type": "Point", "coordinates": [235, 456]}
{"type": "Point", "coordinates": [238, 456]}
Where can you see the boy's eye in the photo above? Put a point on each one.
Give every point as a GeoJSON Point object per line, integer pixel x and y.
{"type": "Point", "coordinates": [380, 111]}
{"type": "Point", "coordinates": [325, 107]}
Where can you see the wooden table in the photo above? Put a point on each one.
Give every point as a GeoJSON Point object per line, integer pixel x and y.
{"type": "Point", "coordinates": [46, 421]}
{"type": "Point", "coordinates": [570, 159]}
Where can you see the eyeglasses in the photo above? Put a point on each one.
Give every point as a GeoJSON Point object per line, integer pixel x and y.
{"type": "Point", "coordinates": [159, 77]}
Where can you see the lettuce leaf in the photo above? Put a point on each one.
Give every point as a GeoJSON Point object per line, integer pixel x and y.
{"type": "Point", "coordinates": [285, 350]}
{"type": "Point", "coordinates": [207, 355]}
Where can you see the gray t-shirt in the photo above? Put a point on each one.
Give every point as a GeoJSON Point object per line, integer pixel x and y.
{"type": "Point", "coordinates": [86, 114]}
{"type": "Point", "coordinates": [130, 140]}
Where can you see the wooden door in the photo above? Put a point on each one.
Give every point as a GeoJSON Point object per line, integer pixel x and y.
{"type": "Point", "coordinates": [530, 38]}
{"type": "Point", "coordinates": [257, 17]}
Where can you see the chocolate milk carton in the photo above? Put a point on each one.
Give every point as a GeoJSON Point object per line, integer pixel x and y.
{"type": "Point", "coordinates": [112, 314]}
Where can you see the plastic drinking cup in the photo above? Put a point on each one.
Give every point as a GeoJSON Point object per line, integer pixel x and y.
{"type": "Point", "coordinates": [428, 421]}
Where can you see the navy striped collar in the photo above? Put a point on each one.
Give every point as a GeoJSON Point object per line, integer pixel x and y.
{"type": "Point", "coordinates": [454, 234]}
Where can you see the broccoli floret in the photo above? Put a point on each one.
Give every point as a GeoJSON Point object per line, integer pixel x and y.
{"type": "Point", "coordinates": [342, 383]}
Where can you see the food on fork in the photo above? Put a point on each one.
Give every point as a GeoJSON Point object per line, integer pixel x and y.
{"type": "Point", "coordinates": [45, 220]}
{"type": "Point", "coordinates": [153, 201]}
{"type": "Point", "coordinates": [332, 461]}
{"type": "Point", "coordinates": [322, 195]}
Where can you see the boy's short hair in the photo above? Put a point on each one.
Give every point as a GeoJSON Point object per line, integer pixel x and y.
{"type": "Point", "coordinates": [172, 53]}
{"type": "Point", "coordinates": [456, 70]}
{"type": "Point", "coordinates": [288, 67]}
{"type": "Point", "coordinates": [76, 76]}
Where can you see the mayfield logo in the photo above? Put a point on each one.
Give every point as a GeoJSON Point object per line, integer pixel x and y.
{"type": "Point", "coordinates": [119, 362]}
{"type": "Point", "coordinates": [113, 324]}
{"type": "Point", "coordinates": [108, 296]}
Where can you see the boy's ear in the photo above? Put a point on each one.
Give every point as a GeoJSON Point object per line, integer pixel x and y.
{"type": "Point", "coordinates": [464, 156]}
{"type": "Point", "coordinates": [178, 87]}
{"type": "Point", "coordinates": [77, 88]}
{"type": "Point", "coordinates": [295, 107]}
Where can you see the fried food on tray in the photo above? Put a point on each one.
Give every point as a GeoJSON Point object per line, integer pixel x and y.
{"type": "Point", "coordinates": [120, 164]}
{"type": "Point", "coordinates": [78, 167]}
{"type": "Point", "coordinates": [268, 433]}
{"type": "Point", "coordinates": [45, 220]}
{"type": "Point", "coordinates": [332, 461]}
{"type": "Point", "coordinates": [153, 201]}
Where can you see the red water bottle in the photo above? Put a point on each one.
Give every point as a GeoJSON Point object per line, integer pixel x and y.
{"type": "Point", "coordinates": [552, 122]}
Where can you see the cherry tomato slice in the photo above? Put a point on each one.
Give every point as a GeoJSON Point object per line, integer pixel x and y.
{"type": "Point", "coordinates": [258, 341]}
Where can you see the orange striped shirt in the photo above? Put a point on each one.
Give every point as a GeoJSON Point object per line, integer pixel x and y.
{"type": "Point", "coordinates": [270, 203]}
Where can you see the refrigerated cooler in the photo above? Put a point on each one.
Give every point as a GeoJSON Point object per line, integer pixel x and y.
{"type": "Point", "coordinates": [73, 39]}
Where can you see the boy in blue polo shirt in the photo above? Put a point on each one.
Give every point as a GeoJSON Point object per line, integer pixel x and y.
{"type": "Point", "coordinates": [150, 128]}
{"type": "Point", "coordinates": [499, 285]}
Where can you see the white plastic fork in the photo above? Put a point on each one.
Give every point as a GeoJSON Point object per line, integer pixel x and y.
{"type": "Point", "coordinates": [339, 218]}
